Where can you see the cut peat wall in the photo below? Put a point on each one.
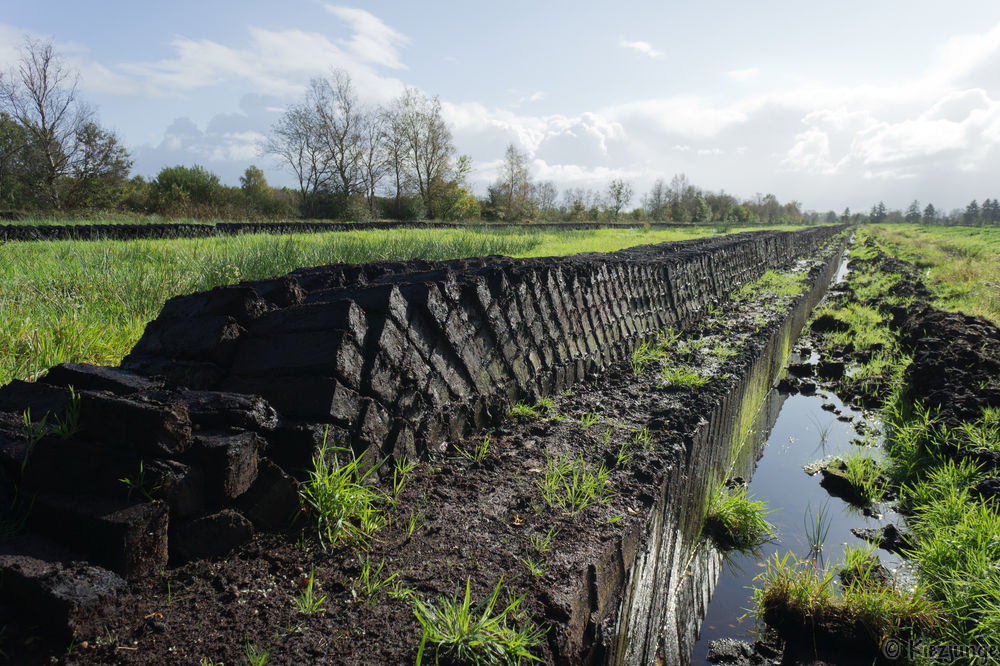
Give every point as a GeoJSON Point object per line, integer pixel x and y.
{"type": "Point", "coordinates": [229, 391]}
{"type": "Point", "coordinates": [671, 577]}
{"type": "Point", "coordinates": [397, 357]}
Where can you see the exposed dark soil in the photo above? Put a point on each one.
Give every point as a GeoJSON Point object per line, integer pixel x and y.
{"type": "Point", "coordinates": [473, 521]}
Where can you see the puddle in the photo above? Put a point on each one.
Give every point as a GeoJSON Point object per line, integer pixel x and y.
{"type": "Point", "coordinates": [803, 433]}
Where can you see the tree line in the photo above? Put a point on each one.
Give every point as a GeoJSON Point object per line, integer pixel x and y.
{"type": "Point", "coordinates": [974, 214]}
{"type": "Point", "coordinates": [349, 160]}
{"type": "Point", "coordinates": [515, 196]}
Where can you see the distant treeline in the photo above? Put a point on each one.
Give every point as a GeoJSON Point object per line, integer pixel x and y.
{"type": "Point", "coordinates": [974, 214]}
{"type": "Point", "coordinates": [351, 162]}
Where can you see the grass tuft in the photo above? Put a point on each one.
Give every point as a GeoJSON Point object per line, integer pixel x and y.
{"type": "Point", "coordinates": [482, 634]}
{"type": "Point", "coordinates": [816, 527]}
{"type": "Point", "coordinates": [781, 286]}
{"type": "Point", "coordinates": [736, 520]}
{"type": "Point", "coordinates": [794, 585]}
{"type": "Point", "coordinates": [681, 378]}
{"type": "Point", "coordinates": [371, 582]}
{"type": "Point", "coordinates": [307, 602]}
{"type": "Point", "coordinates": [337, 499]}
{"type": "Point", "coordinates": [572, 485]}
{"type": "Point", "coordinates": [807, 594]}
{"type": "Point", "coordinates": [478, 453]}
{"type": "Point", "coordinates": [865, 477]}
{"type": "Point", "coordinates": [544, 409]}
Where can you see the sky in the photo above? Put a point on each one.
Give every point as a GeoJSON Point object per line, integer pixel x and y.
{"type": "Point", "coordinates": [836, 104]}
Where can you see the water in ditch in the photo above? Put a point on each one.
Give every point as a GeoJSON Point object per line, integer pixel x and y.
{"type": "Point", "coordinates": [804, 432]}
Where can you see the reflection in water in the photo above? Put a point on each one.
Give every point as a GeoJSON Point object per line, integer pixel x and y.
{"type": "Point", "coordinates": [674, 575]}
{"type": "Point", "coordinates": [803, 432]}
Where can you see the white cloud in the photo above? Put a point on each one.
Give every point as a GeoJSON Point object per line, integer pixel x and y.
{"type": "Point", "coordinates": [226, 145]}
{"type": "Point", "coordinates": [373, 41]}
{"type": "Point", "coordinates": [275, 62]}
{"type": "Point", "coordinates": [969, 60]}
{"type": "Point", "coordinates": [11, 39]}
{"type": "Point", "coordinates": [810, 153]}
{"type": "Point", "coordinates": [683, 115]}
{"type": "Point", "coordinates": [577, 175]}
{"type": "Point", "coordinates": [642, 47]}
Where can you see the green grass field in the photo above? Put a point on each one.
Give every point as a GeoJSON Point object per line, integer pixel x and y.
{"type": "Point", "coordinates": [89, 301]}
{"type": "Point", "coordinates": [962, 264]}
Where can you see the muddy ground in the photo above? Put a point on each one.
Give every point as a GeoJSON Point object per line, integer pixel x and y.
{"type": "Point", "coordinates": [470, 521]}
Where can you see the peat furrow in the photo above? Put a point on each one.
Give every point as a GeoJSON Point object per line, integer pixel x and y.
{"type": "Point", "coordinates": [654, 623]}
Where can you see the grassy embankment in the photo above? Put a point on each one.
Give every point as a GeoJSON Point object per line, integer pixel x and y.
{"type": "Point", "coordinates": [89, 301]}
{"type": "Point", "coordinates": [954, 535]}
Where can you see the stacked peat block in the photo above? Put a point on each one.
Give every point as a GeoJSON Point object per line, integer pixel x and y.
{"type": "Point", "coordinates": [398, 357]}
{"type": "Point", "coordinates": [197, 439]}
{"type": "Point", "coordinates": [122, 474]}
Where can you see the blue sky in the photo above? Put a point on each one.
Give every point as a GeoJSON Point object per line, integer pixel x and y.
{"type": "Point", "coordinates": [831, 104]}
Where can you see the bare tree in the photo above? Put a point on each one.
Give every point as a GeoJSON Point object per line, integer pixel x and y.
{"type": "Point", "coordinates": [321, 139]}
{"type": "Point", "coordinates": [396, 153]}
{"type": "Point", "coordinates": [373, 159]}
{"type": "Point", "coordinates": [426, 139]}
{"type": "Point", "coordinates": [295, 140]}
{"type": "Point", "coordinates": [336, 106]}
{"type": "Point", "coordinates": [619, 196]}
{"type": "Point", "coordinates": [657, 201]}
{"type": "Point", "coordinates": [545, 195]}
{"type": "Point", "coordinates": [41, 95]}
{"type": "Point", "coordinates": [510, 195]}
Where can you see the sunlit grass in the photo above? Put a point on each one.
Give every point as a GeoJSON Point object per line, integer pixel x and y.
{"type": "Point", "coordinates": [808, 595]}
{"type": "Point", "coordinates": [962, 264]}
{"type": "Point", "coordinates": [772, 284]}
{"type": "Point", "coordinates": [735, 519]}
{"type": "Point", "coordinates": [954, 536]}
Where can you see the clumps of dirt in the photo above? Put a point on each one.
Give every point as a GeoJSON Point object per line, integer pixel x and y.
{"type": "Point", "coordinates": [837, 481]}
{"type": "Point", "coordinates": [455, 520]}
{"type": "Point", "coordinates": [831, 637]}
{"type": "Point", "coordinates": [956, 362]}
{"type": "Point", "coordinates": [889, 537]}
{"type": "Point", "coordinates": [956, 358]}
{"type": "Point", "coordinates": [732, 652]}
